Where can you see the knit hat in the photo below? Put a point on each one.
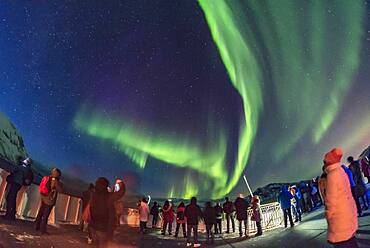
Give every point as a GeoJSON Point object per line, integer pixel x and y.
{"type": "Point", "coordinates": [334, 156]}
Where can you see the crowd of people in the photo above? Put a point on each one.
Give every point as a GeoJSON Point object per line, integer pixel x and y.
{"type": "Point", "coordinates": [187, 217]}
{"type": "Point", "coordinates": [296, 199]}
{"type": "Point", "coordinates": [102, 204]}
{"type": "Point", "coordinates": [341, 189]}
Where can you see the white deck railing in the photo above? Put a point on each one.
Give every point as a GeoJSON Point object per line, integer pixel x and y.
{"type": "Point", "coordinates": [272, 217]}
{"type": "Point", "coordinates": [68, 209]}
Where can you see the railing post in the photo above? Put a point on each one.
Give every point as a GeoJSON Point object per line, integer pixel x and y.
{"type": "Point", "coordinates": [77, 215]}
{"type": "Point", "coordinates": [3, 185]}
{"type": "Point", "coordinates": [67, 208]}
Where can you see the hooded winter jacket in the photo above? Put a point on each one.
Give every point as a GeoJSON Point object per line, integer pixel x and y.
{"type": "Point", "coordinates": [154, 210]}
{"type": "Point", "coordinates": [193, 213]}
{"type": "Point", "coordinates": [347, 170]}
{"type": "Point", "coordinates": [357, 177]}
{"type": "Point", "coordinates": [256, 211]}
{"type": "Point", "coordinates": [55, 187]}
{"type": "Point", "coordinates": [340, 207]}
{"type": "Point", "coordinates": [228, 207]}
{"type": "Point", "coordinates": [285, 198]}
{"type": "Point", "coordinates": [22, 172]}
{"type": "Point", "coordinates": [241, 207]}
{"type": "Point", "coordinates": [209, 215]}
{"type": "Point", "coordinates": [144, 212]}
{"type": "Point", "coordinates": [180, 215]}
{"type": "Point", "coordinates": [168, 215]}
{"type": "Point", "coordinates": [102, 206]}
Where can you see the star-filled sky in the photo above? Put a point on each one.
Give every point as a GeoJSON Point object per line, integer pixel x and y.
{"type": "Point", "coordinates": [182, 98]}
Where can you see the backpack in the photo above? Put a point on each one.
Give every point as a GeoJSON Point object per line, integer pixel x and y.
{"type": "Point", "coordinates": [44, 187]}
{"type": "Point", "coordinates": [180, 215]}
{"type": "Point", "coordinates": [218, 210]}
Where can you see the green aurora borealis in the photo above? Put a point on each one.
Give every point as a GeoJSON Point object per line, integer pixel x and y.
{"type": "Point", "coordinates": [138, 143]}
{"type": "Point", "coordinates": [292, 64]}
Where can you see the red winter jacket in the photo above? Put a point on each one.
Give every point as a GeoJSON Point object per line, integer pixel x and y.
{"type": "Point", "coordinates": [180, 211]}
{"type": "Point", "coordinates": [256, 214]}
{"type": "Point", "coordinates": [168, 215]}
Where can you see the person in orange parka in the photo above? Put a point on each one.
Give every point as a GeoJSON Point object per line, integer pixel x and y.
{"type": "Point", "coordinates": [340, 208]}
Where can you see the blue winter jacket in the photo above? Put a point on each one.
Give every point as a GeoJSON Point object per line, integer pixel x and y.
{"type": "Point", "coordinates": [350, 176]}
{"type": "Point", "coordinates": [284, 198]}
{"type": "Point", "coordinates": [298, 198]}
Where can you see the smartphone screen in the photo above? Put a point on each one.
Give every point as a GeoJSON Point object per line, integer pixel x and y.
{"type": "Point", "coordinates": [116, 187]}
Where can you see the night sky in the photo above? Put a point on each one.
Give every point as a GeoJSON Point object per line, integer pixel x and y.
{"type": "Point", "coordinates": [182, 98]}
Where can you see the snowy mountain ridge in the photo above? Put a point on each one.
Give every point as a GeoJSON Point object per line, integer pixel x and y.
{"type": "Point", "coordinates": [11, 142]}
